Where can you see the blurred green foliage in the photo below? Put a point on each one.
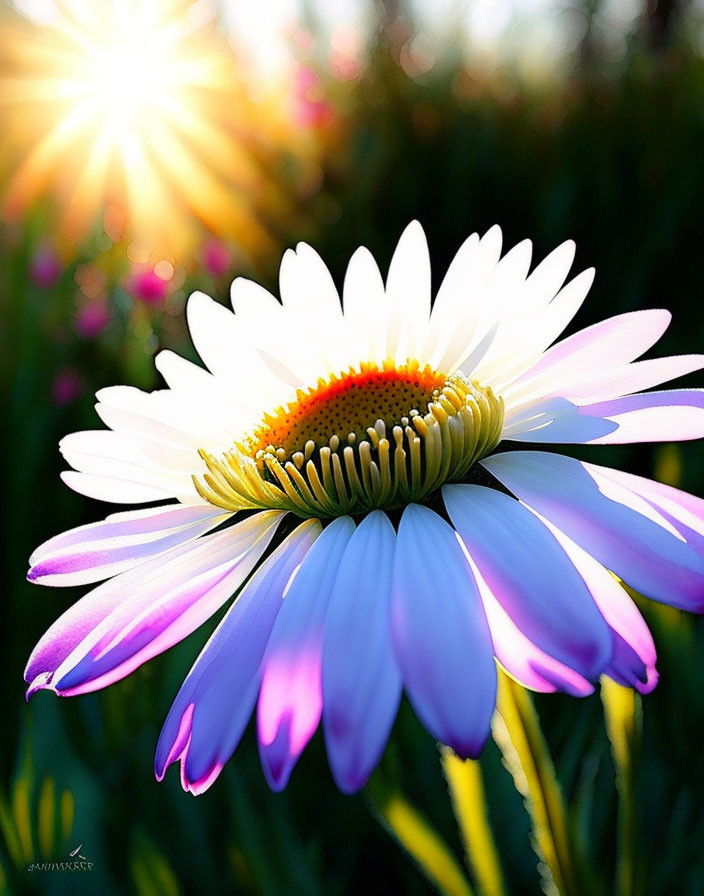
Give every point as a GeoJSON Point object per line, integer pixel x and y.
{"type": "Point", "coordinates": [610, 154]}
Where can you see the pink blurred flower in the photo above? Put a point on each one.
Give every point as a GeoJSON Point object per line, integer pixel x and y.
{"type": "Point", "coordinates": [45, 268]}
{"type": "Point", "coordinates": [147, 286]}
{"type": "Point", "coordinates": [310, 108]}
{"type": "Point", "coordinates": [92, 318]}
{"type": "Point", "coordinates": [217, 257]}
{"type": "Point", "coordinates": [66, 386]}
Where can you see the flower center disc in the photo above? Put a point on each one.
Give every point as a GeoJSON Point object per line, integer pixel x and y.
{"type": "Point", "coordinates": [368, 438]}
{"type": "Point", "coordinates": [348, 403]}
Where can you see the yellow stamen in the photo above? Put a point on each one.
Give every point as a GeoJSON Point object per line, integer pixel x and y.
{"type": "Point", "coordinates": [373, 438]}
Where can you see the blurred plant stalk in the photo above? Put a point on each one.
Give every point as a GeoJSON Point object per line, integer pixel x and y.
{"type": "Point", "coordinates": [516, 730]}
{"type": "Point", "coordinates": [624, 724]}
{"type": "Point", "coordinates": [466, 786]}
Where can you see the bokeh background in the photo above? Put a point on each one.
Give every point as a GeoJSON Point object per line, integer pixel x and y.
{"type": "Point", "coordinates": [149, 149]}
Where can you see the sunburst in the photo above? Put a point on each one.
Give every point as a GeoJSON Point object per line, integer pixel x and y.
{"type": "Point", "coordinates": [133, 103]}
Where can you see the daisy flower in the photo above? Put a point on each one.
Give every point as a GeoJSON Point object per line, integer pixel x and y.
{"type": "Point", "coordinates": [342, 466]}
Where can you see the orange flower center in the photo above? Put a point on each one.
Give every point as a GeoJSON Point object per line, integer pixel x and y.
{"type": "Point", "coordinates": [347, 403]}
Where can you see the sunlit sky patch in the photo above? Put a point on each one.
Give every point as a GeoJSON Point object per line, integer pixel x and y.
{"type": "Point", "coordinates": [264, 31]}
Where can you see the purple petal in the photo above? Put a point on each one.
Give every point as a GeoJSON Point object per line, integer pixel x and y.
{"type": "Point", "coordinates": [623, 532]}
{"type": "Point", "coordinates": [100, 550]}
{"type": "Point", "coordinates": [528, 664]}
{"type": "Point", "coordinates": [555, 421]}
{"type": "Point", "coordinates": [140, 613]}
{"type": "Point", "coordinates": [531, 577]}
{"type": "Point", "coordinates": [361, 682]}
{"type": "Point", "coordinates": [669, 416]}
{"type": "Point", "coordinates": [290, 699]}
{"type": "Point", "coordinates": [633, 658]}
{"type": "Point", "coordinates": [682, 511]}
{"type": "Point", "coordinates": [216, 699]}
{"type": "Point", "coordinates": [440, 633]}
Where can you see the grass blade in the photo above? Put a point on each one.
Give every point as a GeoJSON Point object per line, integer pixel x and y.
{"type": "Point", "coordinates": [419, 838]}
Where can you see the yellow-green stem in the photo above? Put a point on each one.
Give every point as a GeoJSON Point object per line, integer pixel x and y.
{"type": "Point", "coordinates": [516, 730]}
{"type": "Point", "coordinates": [622, 711]}
{"type": "Point", "coordinates": [464, 779]}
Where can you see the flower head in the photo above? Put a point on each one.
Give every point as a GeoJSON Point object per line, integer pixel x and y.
{"type": "Point", "coordinates": [352, 459]}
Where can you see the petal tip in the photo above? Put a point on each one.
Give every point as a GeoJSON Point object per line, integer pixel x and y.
{"type": "Point", "coordinates": [41, 682]}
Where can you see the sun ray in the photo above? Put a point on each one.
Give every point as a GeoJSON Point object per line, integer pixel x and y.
{"type": "Point", "coordinates": [138, 102]}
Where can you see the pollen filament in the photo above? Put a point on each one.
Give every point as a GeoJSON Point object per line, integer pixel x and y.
{"type": "Point", "coordinates": [428, 429]}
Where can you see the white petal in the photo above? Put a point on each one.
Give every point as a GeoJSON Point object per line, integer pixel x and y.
{"type": "Point", "coordinates": [106, 453]}
{"type": "Point", "coordinates": [408, 291]}
{"type": "Point", "coordinates": [544, 282]}
{"type": "Point", "coordinates": [226, 347]}
{"type": "Point", "coordinates": [307, 288]}
{"type": "Point", "coordinates": [366, 307]}
{"type": "Point", "coordinates": [182, 374]}
{"type": "Point", "coordinates": [112, 489]}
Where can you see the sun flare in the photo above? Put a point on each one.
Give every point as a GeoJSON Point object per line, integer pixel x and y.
{"type": "Point", "coordinates": [124, 102]}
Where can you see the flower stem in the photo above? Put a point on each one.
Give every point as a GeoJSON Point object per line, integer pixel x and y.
{"type": "Point", "coordinates": [516, 730]}
{"type": "Point", "coordinates": [464, 779]}
{"type": "Point", "coordinates": [622, 710]}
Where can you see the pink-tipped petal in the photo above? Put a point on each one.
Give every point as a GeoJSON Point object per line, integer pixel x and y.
{"type": "Point", "coordinates": [633, 657]}
{"type": "Point", "coordinates": [290, 699]}
{"type": "Point", "coordinates": [675, 415]}
{"type": "Point", "coordinates": [440, 633]}
{"type": "Point", "coordinates": [684, 512]}
{"type": "Point", "coordinates": [140, 613]}
{"type": "Point", "coordinates": [527, 663]}
{"type": "Point", "coordinates": [221, 689]}
{"type": "Point", "coordinates": [361, 682]}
